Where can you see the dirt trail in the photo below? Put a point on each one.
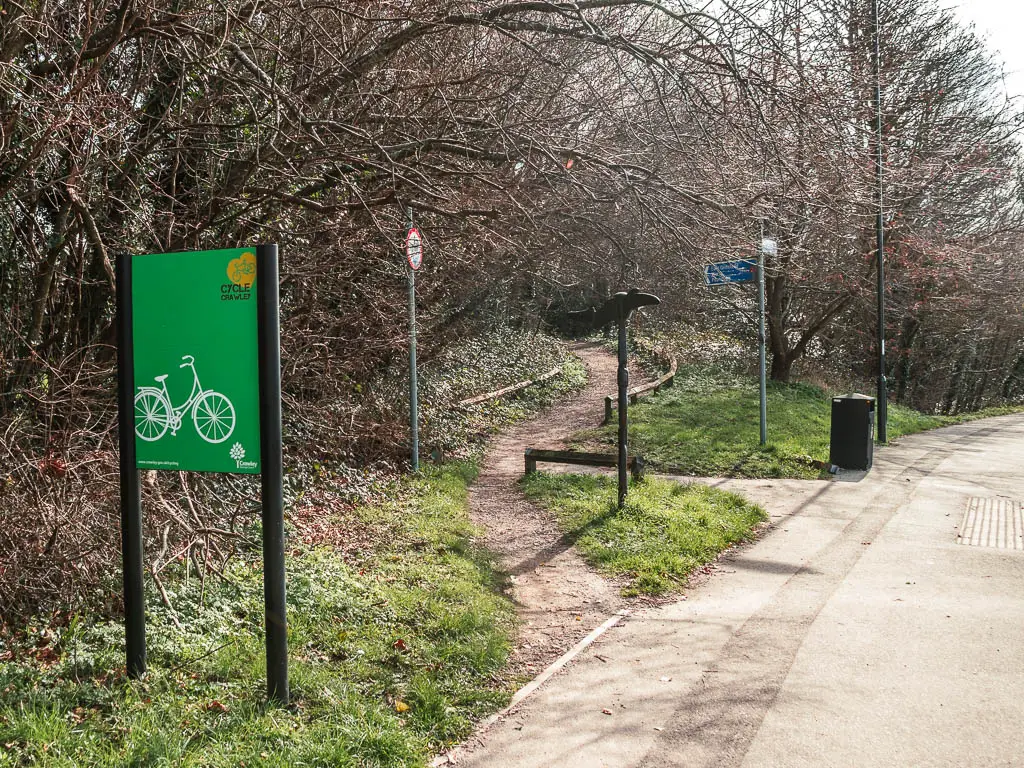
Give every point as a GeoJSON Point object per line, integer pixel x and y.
{"type": "Point", "coordinates": [558, 597]}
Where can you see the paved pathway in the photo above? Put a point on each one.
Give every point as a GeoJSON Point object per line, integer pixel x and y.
{"type": "Point", "coordinates": [857, 632]}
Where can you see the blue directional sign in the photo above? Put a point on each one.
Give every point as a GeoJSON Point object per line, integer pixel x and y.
{"type": "Point", "coordinates": [742, 271]}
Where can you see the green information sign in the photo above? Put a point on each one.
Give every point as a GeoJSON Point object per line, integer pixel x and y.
{"type": "Point", "coordinates": [196, 361]}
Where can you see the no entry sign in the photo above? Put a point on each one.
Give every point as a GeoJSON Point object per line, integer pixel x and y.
{"type": "Point", "coordinates": [414, 248]}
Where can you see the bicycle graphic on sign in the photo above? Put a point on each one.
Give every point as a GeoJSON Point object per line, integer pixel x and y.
{"type": "Point", "coordinates": [213, 415]}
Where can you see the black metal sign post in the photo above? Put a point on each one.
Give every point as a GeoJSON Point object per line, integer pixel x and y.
{"type": "Point", "coordinates": [623, 381]}
{"type": "Point", "coordinates": [268, 341]}
{"type": "Point", "coordinates": [876, 62]}
{"type": "Point", "coordinates": [619, 308]}
{"type": "Point", "coordinates": [131, 491]}
{"type": "Point", "coordinates": [268, 325]}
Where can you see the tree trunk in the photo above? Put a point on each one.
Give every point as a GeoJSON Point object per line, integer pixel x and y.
{"type": "Point", "coordinates": [906, 340]}
{"type": "Point", "coordinates": [782, 367]}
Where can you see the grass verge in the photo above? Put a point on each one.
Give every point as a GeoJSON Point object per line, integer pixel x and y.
{"type": "Point", "coordinates": [707, 425]}
{"type": "Point", "coordinates": [394, 653]}
{"type": "Point", "coordinates": [663, 533]}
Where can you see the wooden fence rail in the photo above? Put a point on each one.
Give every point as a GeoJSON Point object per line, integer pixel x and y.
{"type": "Point", "coordinates": [509, 389]}
{"type": "Point", "coordinates": [664, 381]}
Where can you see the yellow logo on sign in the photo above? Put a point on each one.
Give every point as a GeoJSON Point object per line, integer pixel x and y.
{"type": "Point", "coordinates": [242, 271]}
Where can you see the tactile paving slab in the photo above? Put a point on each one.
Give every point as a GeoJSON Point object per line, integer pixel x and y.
{"type": "Point", "coordinates": [994, 523]}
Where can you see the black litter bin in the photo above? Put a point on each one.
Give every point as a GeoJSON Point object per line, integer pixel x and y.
{"type": "Point", "coordinates": [852, 444]}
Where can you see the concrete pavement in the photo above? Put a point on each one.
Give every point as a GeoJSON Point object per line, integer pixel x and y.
{"type": "Point", "coordinates": [856, 632]}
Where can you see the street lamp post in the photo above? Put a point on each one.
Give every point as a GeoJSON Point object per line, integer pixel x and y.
{"type": "Point", "coordinates": [882, 404]}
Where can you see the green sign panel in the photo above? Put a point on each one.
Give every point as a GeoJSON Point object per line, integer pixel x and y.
{"type": "Point", "coordinates": [196, 361]}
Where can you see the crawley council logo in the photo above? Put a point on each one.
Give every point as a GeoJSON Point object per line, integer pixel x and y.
{"type": "Point", "coordinates": [237, 453]}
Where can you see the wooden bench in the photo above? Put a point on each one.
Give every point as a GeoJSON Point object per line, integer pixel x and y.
{"type": "Point", "coordinates": [533, 455]}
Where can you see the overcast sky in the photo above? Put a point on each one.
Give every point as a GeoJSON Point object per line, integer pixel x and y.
{"type": "Point", "coordinates": [1001, 24]}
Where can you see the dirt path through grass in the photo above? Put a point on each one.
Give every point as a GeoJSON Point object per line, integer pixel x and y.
{"type": "Point", "coordinates": [558, 597]}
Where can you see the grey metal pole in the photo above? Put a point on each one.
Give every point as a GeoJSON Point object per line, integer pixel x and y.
{"type": "Point", "coordinates": [268, 325]}
{"type": "Point", "coordinates": [623, 381]}
{"type": "Point", "coordinates": [761, 344]}
{"type": "Point", "coordinates": [879, 232]}
{"type": "Point", "coordinates": [131, 491]}
{"type": "Point", "coordinates": [414, 417]}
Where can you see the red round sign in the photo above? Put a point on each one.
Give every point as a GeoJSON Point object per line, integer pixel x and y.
{"type": "Point", "coordinates": [414, 248]}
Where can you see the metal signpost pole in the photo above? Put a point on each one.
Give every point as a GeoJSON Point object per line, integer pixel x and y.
{"type": "Point", "coordinates": [414, 416]}
{"type": "Point", "coordinates": [272, 471]}
{"type": "Point", "coordinates": [746, 271]}
{"type": "Point", "coordinates": [131, 491]}
{"type": "Point", "coordinates": [623, 380]}
{"type": "Point", "coordinates": [767, 246]}
{"type": "Point", "coordinates": [761, 350]}
{"type": "Point", "coordinates": [618, 309]}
